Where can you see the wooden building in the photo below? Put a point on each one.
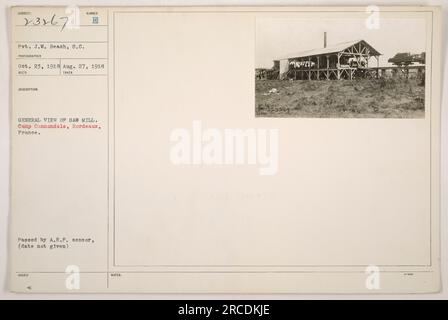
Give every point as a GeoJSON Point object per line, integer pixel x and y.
{"type": "Point", "coordinates": [346, 60]}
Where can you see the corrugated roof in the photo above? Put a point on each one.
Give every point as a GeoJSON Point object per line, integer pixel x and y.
{"type": "Point", "coordinates": [330, 49]}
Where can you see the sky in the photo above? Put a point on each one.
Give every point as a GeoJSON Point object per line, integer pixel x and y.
{"type": "Point", "coordinates": [277, 37]}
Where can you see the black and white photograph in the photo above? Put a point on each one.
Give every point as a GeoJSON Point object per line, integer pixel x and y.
{"type": "Point", "coordinates": [345, 68]}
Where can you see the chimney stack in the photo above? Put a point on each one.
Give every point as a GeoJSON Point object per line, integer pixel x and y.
{"type": "Point", "coordinates": [325, 39]}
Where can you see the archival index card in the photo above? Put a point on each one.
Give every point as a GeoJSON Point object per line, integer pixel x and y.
{"type": "Point", "coordinates": [225, 149]}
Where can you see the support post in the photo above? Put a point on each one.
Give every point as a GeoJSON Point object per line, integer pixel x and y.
{"type": "Point", "coordinates": [377, 66]}
{"type": "Point", "coordinates": [309, 68]}
{"type": "Point", "coordinates": [338, 67]}
{"type": "Point", "coordinates": [318, 67]}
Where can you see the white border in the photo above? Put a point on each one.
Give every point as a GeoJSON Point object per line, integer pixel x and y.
{"type": "Point", "coordinates": [4, 147]}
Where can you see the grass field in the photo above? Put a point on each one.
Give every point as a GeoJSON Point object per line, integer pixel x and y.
{"type": "Point", "coordinates": [365, 98]}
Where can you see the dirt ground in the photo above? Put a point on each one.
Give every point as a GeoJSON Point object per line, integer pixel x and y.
{"type": "Point", "coordinates": [366, 98]}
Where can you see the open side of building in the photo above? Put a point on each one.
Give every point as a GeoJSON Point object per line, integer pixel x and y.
{"type": "Point", "coordinates": [346, 60]}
